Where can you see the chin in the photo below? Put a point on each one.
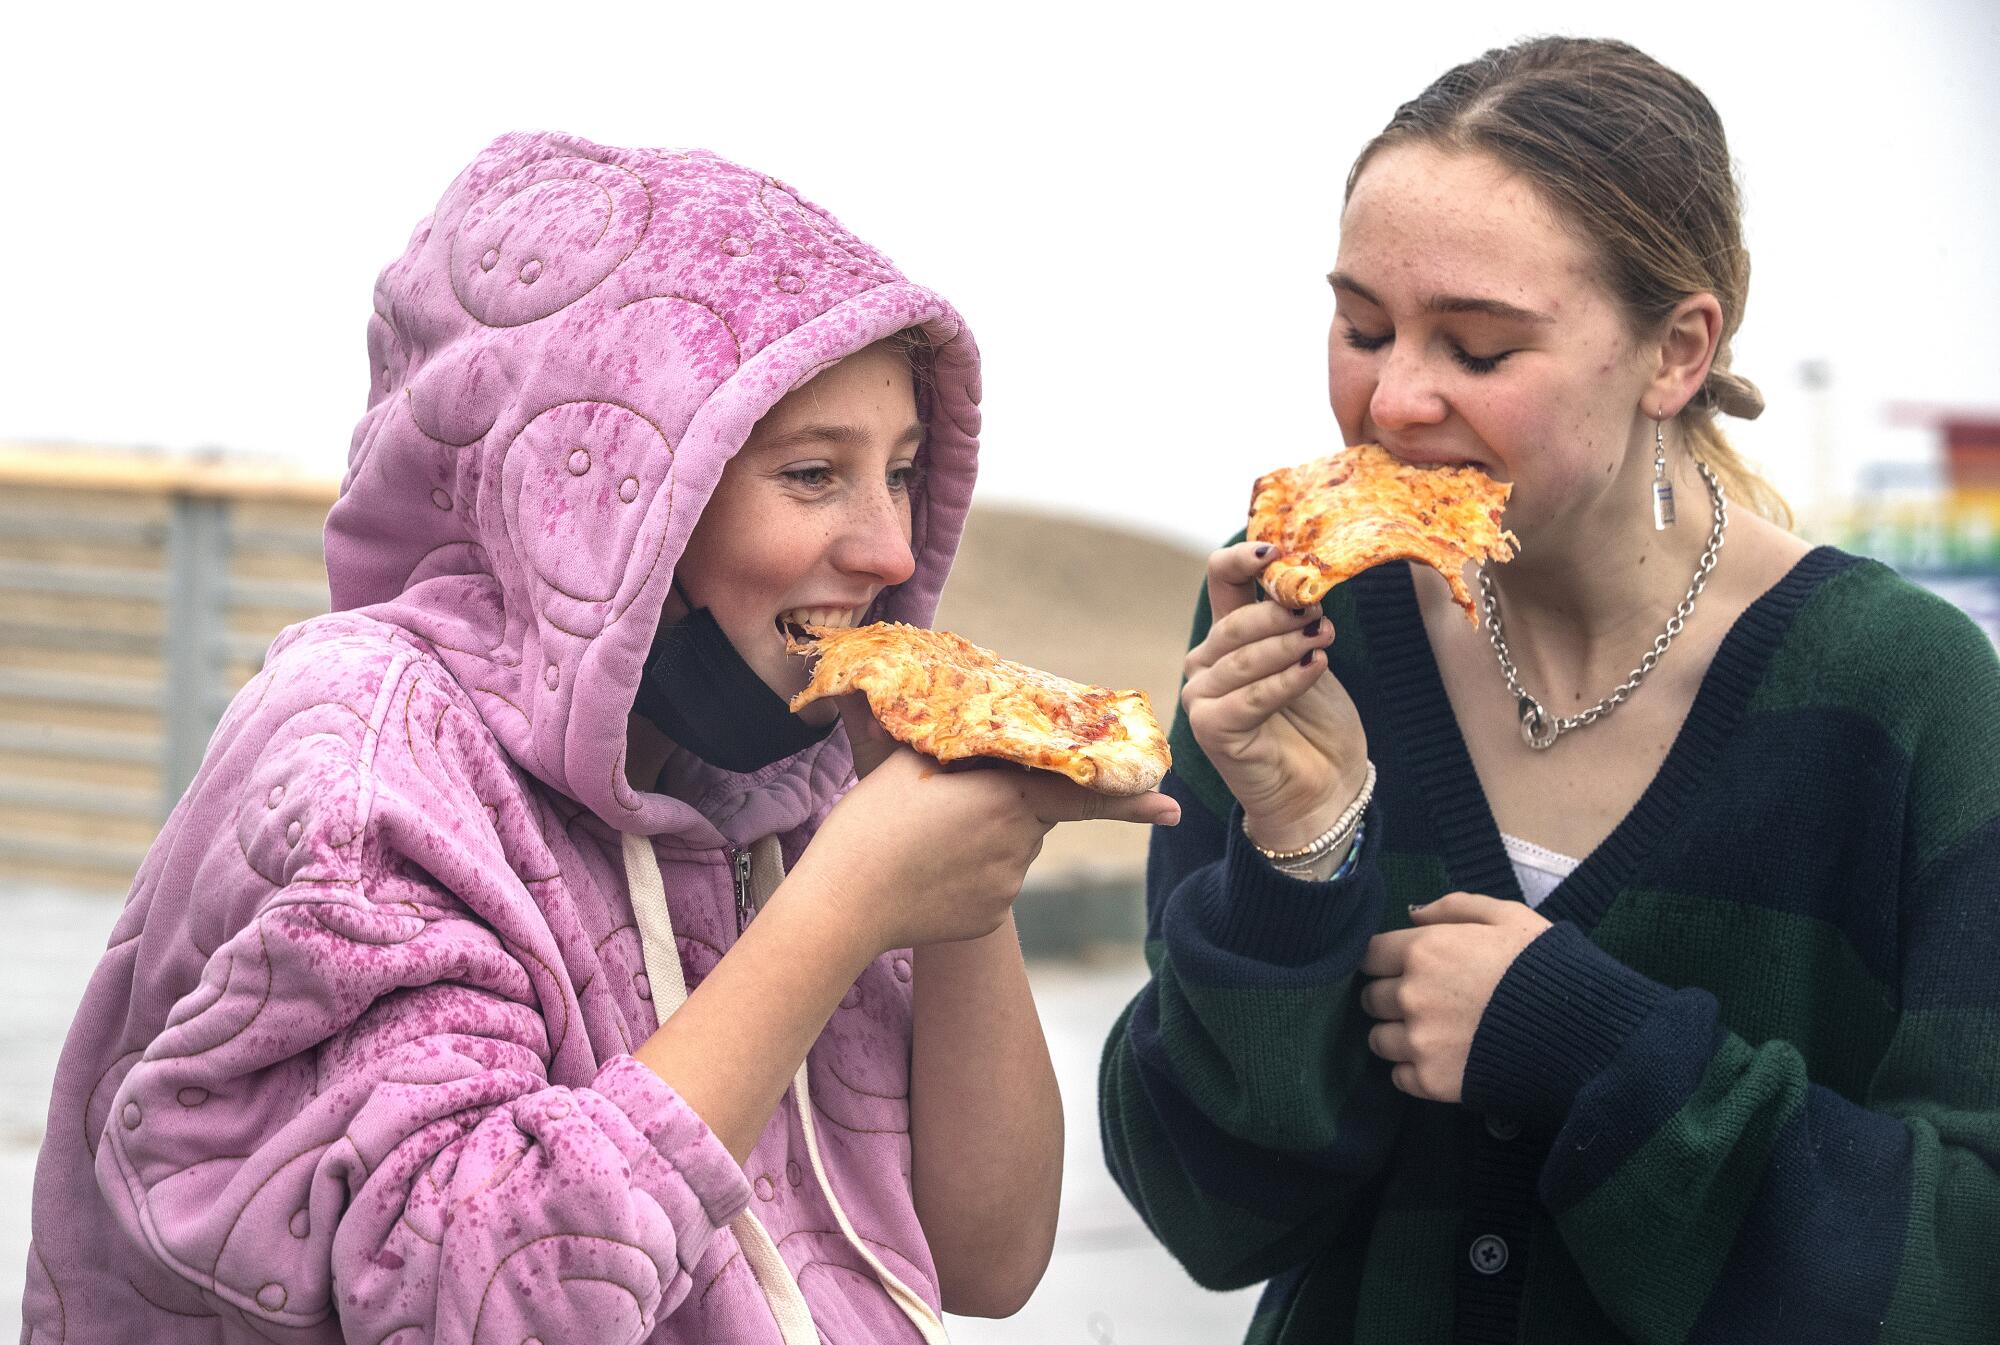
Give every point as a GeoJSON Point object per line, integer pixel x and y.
{"type": "Point", "coordinates": [786, 677]}
{"type": "Point", "coordinates": [789, 679]}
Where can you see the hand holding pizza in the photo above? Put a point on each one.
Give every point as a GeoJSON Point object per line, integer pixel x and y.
{"type": "Point", "coordinates": [920, 852]}
{"type": "Point", "coordinates": [1282, 734]}
{"type": "Point", "coordinates": [932, 845]}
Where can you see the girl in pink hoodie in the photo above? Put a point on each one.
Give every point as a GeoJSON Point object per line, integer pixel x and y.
{"type": "Point", "coordinates": [517, 968]}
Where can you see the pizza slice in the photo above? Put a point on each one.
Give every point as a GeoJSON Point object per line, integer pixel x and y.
{"type": "Point", "coordinates": [1336, 516]}
{"type": "Point", "coordinates": [950, 699]}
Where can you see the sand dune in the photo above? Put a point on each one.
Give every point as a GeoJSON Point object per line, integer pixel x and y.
{"type": "Point", "coordinates": [1089, 601]}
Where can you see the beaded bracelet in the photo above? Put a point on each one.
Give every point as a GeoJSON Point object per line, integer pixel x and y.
{"type": "Point", "coordinates": [1327, 841]}
{"type": "Point", "coordinates": [1305, 872]}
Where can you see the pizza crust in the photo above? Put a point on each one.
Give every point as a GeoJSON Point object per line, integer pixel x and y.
{"type": "Point", "coordinates": [1336, 516]}
{"type": "Point", "coordinates": [950, 699]}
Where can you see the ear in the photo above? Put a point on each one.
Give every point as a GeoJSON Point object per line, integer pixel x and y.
{"type": "Point", "coordinates": [1687, 343]}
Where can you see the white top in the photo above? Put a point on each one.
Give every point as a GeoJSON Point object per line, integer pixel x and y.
{"type": "Point", "coordinates": [1539, 870]}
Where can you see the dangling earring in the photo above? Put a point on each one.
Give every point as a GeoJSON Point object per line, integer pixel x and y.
{"type": "Point", "coordinates": [1663, 489]}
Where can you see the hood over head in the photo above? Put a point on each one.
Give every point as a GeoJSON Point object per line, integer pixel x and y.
{"type": "Point", "coordinates": [563, 360]}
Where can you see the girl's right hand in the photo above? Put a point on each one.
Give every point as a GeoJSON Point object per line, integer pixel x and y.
{"type": "Point", "coordinates": [924, 853]}
{"type": "Point", "coordinates": [1279, 730]}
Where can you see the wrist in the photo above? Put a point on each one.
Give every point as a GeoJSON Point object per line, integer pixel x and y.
{"type": "Point", "coordinates": [1337, 861]}
{"type": "Point", "coordinates": [1295, 831]}
{"type": "Point", "coordinates": [1002, 941]}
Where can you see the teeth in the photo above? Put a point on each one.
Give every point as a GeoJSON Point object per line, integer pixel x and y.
{"type": "Point", "coordinates": [840, 618]}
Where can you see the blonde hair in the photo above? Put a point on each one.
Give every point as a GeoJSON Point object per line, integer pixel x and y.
{"type": "Point", "coordinates": [1632, 156]}
{"type": "Point", "coordinates": [915, 347]}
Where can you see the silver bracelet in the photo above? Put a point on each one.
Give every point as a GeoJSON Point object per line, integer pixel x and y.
{"type": "Point", "coordinates": [1309, 867]}
{"type": "Point", "coordinates": [1327, 841]}
{"type": "Point", "coordinates": [1336, 863]}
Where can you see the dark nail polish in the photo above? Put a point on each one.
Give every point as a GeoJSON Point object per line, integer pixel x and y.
{"type": "Point", "coordinates": [1263, 551]}
{"type": "Point", "coordinates": [1298, 611]}
{"type": "Point", "coordinates": [1311, 632]}
{"type": "Point", "coordinates": [1306, 660]}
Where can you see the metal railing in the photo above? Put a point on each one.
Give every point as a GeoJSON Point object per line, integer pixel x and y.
{"type": "Point", "coordinates": [136, 595]}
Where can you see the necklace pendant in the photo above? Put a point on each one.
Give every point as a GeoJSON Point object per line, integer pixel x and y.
{"type": "Point", "coordinates": [1538, 730]}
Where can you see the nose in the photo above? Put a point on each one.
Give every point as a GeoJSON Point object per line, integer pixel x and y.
{"type": "Point", "coordinates": [1405, 393]}
{"type": "Point", "coordinates": [874, 538]}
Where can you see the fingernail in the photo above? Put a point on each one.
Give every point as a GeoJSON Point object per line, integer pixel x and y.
{"type": "Point", "coordinates": [1298, 611]}
{"type": "Point", "coordinates": [1416, 906]}
{"type": "Point", "coordinates": [1312, 629]}
{"type": "Point", "coordinates": [1306, 660]}
{"type": "Point", "coordinates": [1263, 551]}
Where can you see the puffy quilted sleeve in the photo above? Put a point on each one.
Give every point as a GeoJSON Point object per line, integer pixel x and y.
{"type": "Point", "coordinates": [347, 1125]}
{"type": "Point", "coordinates": [353, 1112]}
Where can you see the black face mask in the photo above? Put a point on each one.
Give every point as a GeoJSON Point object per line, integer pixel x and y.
{"type": "Point", "coordinates": [698, 690]}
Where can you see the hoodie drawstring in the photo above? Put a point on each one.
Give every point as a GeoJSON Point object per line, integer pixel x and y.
{"type": "Point", "coordinates": [669, 985]}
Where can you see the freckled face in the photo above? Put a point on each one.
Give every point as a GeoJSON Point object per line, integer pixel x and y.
{"type": "Point", "coordinates": [1471, 327]}
{"type": "Point", "coordinates": [811, 520]}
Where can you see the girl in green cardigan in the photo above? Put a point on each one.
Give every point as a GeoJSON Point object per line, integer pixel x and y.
{"type": "Point", "coordinates": [1623, 968]}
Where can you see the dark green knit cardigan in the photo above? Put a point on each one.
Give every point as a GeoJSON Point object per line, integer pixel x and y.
{"type": "Point", "coordinates": [1747, 1088]}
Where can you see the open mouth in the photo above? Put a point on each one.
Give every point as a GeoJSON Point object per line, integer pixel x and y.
{"type": "Point", "coordinates": [792, 624]}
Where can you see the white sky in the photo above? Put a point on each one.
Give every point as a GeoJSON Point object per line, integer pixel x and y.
{"type": "Point", "coordinates": [1134, 211]}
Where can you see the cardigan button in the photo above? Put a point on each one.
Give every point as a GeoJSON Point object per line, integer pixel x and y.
{"type": "Point", "coordinates": [1489, 1254]}
{"type": "Point", "coordinates": [1503, 1129]}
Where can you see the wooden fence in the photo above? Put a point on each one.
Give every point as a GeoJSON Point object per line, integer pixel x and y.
{"type": "Point", "coordinates": [136, 595]}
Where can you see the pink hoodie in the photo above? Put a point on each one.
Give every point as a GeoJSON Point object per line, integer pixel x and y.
{"type": "Point", "coordinates": [355, 1063]}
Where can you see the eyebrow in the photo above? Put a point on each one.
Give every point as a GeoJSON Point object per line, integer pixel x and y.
{"type": "Point", "coordinates": [844, 436]}
{"type": "Point", "coordinates": [1445, 303]}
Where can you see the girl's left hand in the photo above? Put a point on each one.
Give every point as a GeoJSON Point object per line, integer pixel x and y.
{"type": "Point", "coordinates": [1434, 982]}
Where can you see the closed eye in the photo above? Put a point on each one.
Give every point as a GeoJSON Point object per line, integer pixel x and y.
{"type": "Point", "coordinates": [1465, 359]}
{"type": "Point", "coordinates": [1477, 364]}
{"type": "Point", "coordinates": [1355, 337]}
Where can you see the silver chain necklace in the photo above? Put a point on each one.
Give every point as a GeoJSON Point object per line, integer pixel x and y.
{"type": "Point", "coordinates": [1538, 729]}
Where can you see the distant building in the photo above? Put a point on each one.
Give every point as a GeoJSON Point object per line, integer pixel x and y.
{"type": "Point", "coordinates": [1940, 526]}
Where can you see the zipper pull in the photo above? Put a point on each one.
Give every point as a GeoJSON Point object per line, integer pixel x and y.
{"type": "Point", "coordinates": [741, 860]}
